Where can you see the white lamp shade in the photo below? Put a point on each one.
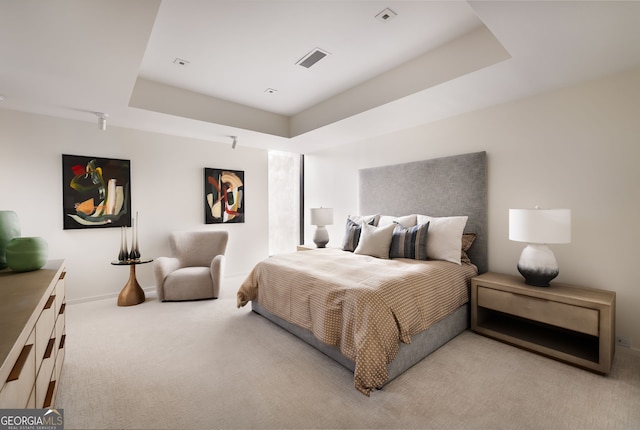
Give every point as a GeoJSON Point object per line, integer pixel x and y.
{"type": "Point", "coordinates": [542, 226]}
{"type": "Point", "coordinates": [321, 216]}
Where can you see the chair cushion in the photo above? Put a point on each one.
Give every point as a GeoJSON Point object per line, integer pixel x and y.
{"type": "Point", "coordinates": [189, 283]}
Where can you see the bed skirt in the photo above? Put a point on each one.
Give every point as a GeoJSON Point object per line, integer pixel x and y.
{"type": "Point", "coordinates": [422, 344]}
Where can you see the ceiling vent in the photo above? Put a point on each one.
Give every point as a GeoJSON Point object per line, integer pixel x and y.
{"type": "Point", "coordinates": [386, 15]}
{"type": "Point", "coordinates": [312, 58]}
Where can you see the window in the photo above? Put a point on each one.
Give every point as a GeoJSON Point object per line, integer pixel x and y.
{"type": "Point", "coordinates": [284, 201]}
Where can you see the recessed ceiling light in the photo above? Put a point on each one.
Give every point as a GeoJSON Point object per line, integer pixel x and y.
{"type": "Point", "coordinates": [386, 15]}
{"type": "Point", "coordinates": [270, 91]}
{"type": "Point", "coordinates": [181, 62]}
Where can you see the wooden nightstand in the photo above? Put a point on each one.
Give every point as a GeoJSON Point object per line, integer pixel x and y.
{"type": "Point", "coordinates": [305, 247]}
{"type": "Point", "coordinates": [568, 323]}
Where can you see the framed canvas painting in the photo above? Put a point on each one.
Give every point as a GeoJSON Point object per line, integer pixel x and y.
{"type": "Point", "coordinates": [95, 192]}
{"type": "Point", "coordinates": [223, 196]}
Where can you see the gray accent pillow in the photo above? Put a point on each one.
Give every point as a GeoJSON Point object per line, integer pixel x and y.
{"type": "Point", "coordinates": [351, 236]}
{"type": "Point", "coordinates": [353, 229]}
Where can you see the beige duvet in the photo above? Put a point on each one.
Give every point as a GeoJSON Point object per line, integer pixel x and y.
{"type": "Point", "coordinates": [363, 305]}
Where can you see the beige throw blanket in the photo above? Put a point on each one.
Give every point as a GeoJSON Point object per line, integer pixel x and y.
{"type": "Point", "coordinates": [364, 305]}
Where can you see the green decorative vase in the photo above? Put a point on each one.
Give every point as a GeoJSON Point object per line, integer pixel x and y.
{"type": "Point", "coordinates": [9, 229]}
{"type": "Point", "coordinates": [25, 254]}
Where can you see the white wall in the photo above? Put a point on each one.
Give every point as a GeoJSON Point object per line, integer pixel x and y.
{"type": "Point", "coordinates": [166, 189]}
{"type": "Point", "coordinates": [576, 148]}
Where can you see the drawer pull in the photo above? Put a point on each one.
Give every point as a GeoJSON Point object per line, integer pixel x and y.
{"type": "Point", "coordinates": [50, 302]}
{"type": "Point", "coordinates": [62, 339]}
{"type": "Point", "coordinates": [534, 299]}
{"type": "Point", "coordinates": [62, 275]}
{"type": "Point", "coordinates": [22, 359]}
{"type": "Point", "coordinates": [49, 397]}
{"type": "Point", "coordinates": [62, 309]}
{"type": "Point", "coordinates": [49, 349]}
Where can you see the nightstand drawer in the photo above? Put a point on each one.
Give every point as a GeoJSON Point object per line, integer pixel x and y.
{"type": "Point", "coordinates": [576, 318]}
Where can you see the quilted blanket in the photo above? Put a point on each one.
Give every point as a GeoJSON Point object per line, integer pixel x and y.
{"type": "Point", "coordinates": [363, 305]}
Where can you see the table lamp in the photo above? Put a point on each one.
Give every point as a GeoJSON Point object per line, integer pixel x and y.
{"type": "Point", "coordinates": [538, 228]}
{"type": "Point", "coordinates": [321, 217]}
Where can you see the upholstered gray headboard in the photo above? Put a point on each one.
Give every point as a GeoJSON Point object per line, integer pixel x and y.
{"type": "Point", "coordinates": [448, 186]}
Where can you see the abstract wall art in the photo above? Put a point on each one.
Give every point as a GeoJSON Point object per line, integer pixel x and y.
{"type": "Point", "coordinates": [223, 196]}
{"type": "Point", "coordinates": [95, 192]}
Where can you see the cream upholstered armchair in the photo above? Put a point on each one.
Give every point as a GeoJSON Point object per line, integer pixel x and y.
{"type": "Point", "coordinates": [195, 269]}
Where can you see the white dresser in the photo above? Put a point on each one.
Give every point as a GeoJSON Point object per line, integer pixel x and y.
{"type": "Point", "coordinates": [32, 335]}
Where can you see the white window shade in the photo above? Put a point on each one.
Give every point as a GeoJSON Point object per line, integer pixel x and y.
{"type": "Point", "coordinates": [543, 226]}
{"type": "Point", "coordinates": [284, 202]}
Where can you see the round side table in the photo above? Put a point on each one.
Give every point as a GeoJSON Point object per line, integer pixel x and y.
{"type": "Point", "coordinates": [132, 293]}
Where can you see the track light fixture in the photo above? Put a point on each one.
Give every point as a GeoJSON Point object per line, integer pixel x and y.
{"type": "Point", "coordinates": [102, 120]}
{"type": "Point", "coordinates": [234, 142]}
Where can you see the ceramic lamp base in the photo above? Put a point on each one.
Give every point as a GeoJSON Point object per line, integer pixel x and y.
{"type": "Point", "coordinates": [321, 236]}
{"type": "Point", "coordinates": [538, 265]}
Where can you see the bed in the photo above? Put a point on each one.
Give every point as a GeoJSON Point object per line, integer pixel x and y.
{"type": "Point", "coordinates": [379, 316]}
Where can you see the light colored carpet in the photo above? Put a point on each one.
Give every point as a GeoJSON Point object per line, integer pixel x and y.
{"type": "Point", "coordinates": [207, 365]}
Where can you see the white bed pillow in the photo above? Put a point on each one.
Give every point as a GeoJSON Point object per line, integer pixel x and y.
{"type": "Point", "coordinates": [369, 219]}
{"type": "Point", "coordinates": [376, 241]}
{"type": "Point", "coordinates": [353, 228]}
{"type": "Point", "coordinates": [405, 221]}
{"type": "Point", "coordinates": [445, 237]}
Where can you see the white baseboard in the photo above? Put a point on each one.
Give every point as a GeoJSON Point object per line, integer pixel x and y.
{"type": "Point", "coordinates": [146, 290]}
{"type": "Point", "coordinates": [625, 350]}
{"type": "Point", "coordinates": [233, 277]}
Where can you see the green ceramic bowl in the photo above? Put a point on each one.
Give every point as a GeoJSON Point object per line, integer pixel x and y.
{"type": "Point", "coordinates": [25, 254]}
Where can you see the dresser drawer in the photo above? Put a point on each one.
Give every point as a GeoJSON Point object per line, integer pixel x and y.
{"type": "Point", "coordinates": [44, 328]}
{"type": "Point", "coordinates": [19, 384]}
{"type": "Point", "coordinates": [32, 317]}
{"type": "Point", "coordinates": [45, 373]}
{"type": "Point", "coordinates": [60, 293]}
{"type": "Point", "coordinates": [59, 360]}
{"type": "Point", "coordinates": [576, 318]}
{"type": "Point", "coordinates": [60, 327]}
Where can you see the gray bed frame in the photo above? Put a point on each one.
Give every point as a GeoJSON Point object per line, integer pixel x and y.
{"type": "Point", "coordinates": [455, 185]}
